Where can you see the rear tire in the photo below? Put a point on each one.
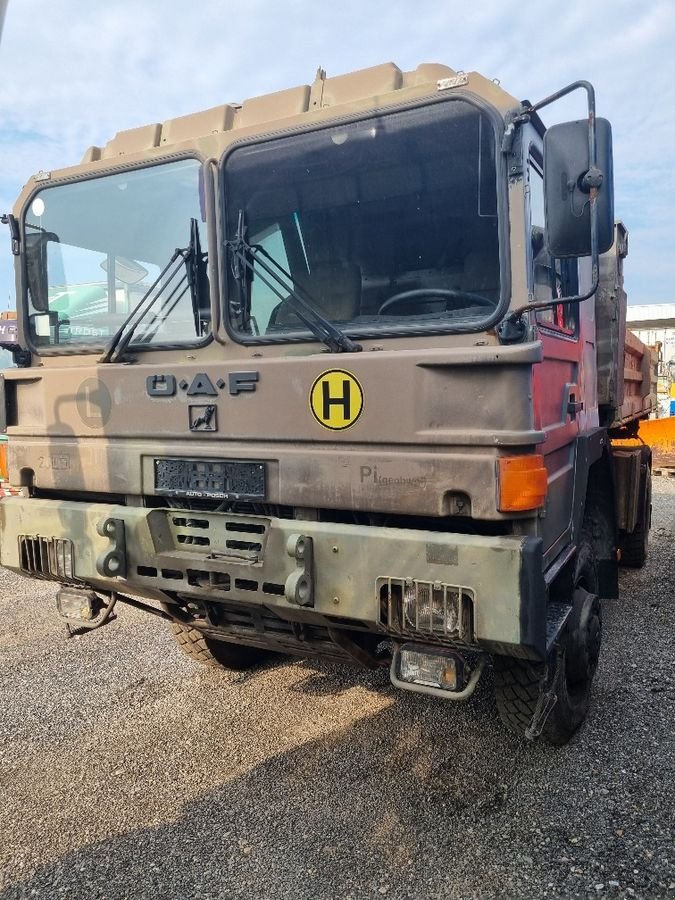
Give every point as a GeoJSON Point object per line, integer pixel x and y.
{"type": "Point", "coordinates": [215, 653]}
{"type": "Point", "coordinates": [519, 683]}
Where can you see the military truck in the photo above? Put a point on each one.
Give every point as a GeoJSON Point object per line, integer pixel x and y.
{"type": "Point", "coordinates": [337, 372]}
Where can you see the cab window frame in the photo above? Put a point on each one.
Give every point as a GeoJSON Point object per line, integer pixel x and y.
{"type": "Point", "coordinates": [24, 306]}
{"type": "Point", "coordinates": [231, 332]}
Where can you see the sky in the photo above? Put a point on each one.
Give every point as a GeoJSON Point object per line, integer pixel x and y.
{"type": "Point", "coordinates": [72, 74]}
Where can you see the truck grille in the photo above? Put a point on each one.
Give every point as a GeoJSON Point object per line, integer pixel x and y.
{"type": "Point", "coordinates": [443, 612]}
{"type": "Point", "coordinates": [43, 557]}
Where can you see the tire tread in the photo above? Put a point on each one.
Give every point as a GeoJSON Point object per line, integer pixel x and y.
{"type": "Point", "coordinates": [633, 551]}
{"type": "Point", "coordinates": [516, 691]}
{"type": "Point", "coordinates": [214, 653]}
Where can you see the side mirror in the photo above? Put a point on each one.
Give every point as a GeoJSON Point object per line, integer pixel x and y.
{"type": "Point", "coordinates": [36, 267]}
{"type": "Point", "coordinates": [567, 193]}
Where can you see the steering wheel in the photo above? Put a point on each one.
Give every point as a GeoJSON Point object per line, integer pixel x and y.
{"type": "Point", "coordinates": [442, 293]}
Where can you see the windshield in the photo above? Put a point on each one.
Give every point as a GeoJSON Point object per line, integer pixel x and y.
{"type": "Point", "coordinates": [94, 248]}
{"type": "Point", "coordinates": [385, 224]}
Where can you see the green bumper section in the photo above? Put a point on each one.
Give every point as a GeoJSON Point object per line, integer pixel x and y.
{"type": "Point", "coordinates": [490, 589]}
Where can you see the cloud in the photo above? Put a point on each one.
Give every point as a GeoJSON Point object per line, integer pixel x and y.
{"type": "Point", "coordinates": [74, 74]}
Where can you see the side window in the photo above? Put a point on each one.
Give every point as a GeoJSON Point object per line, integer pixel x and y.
{"type": "Point", "coordinates": [549, 278]}
{"type": "Point", "coordinates": [263, 299]}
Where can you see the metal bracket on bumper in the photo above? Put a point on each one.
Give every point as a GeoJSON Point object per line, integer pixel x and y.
{"type": "Point", "coordinates": [113, 563]}
{"type": "Point", "coordinates": [299, 587]}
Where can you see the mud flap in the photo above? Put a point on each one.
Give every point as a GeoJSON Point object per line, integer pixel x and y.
{"type": "Point", "coordinates": [547, 696]}
{"type": "Point", "coordinates": [557, 616]}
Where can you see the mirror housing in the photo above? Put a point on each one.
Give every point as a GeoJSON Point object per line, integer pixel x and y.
{"type": "Point", "coordinates": [36, 267]}
{"type": "Point", "coordinates": [567, 192]}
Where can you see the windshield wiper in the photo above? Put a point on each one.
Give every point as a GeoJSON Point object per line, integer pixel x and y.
{"type": "Point", "coordinates": [244, 255]}
{"type": "Point", "coordinates": [189, 261]}
{"type": "Point", "coordinates": [197, 278]}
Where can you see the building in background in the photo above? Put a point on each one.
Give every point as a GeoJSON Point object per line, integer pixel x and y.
{"type": "Point", "coordinates": [654, 324]}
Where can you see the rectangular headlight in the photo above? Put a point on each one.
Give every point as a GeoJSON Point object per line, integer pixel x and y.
{"type": "Point", "coordinates": [429, 667]}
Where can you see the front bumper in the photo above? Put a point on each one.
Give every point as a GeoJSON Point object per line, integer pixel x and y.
{"type": "Point", "coordinates": [352, 574]}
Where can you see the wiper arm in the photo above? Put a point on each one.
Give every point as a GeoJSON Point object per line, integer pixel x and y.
{"type": "Point", "coordinates": [196, 272]}
{"type": "Point", "coordinates": [197, 282]}
{"type": "Point", "coordinates": [245, 255]}
{"type": "Point", "coordinates": [186, 260]}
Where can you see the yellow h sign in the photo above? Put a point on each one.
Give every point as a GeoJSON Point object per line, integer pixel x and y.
{"type": "Point", "coordinates": [336, 399]}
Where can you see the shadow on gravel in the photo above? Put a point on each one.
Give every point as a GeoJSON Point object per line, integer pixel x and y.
{"type": "Point", "coordinates": [321, 680]}
{"type": "Point", "coordinates": [399, 804]}
{"type": "Point", "coordinates": [421, 799]}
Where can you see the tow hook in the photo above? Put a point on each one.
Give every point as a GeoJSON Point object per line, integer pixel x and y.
{"type": "Point", "coordinates": [83, 610]}
{"type": "Point", "coordinates": [113, 563]}
{"type": "Point", "coordinates": [299, 587]}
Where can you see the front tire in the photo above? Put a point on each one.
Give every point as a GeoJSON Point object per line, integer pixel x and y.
{"type": "Point", "coordinates": [520, 683]}
{"type": "Point", "coordinates": [215, 653]}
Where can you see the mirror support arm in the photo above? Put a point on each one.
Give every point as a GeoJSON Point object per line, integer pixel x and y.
{"type": "Point", "coordinates": [9, 219]}
{"type": "Point", "coordinates": [512, 327]}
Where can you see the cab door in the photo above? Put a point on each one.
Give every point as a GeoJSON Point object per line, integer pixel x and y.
{"type": "Point", "coordinates": [559, 389]}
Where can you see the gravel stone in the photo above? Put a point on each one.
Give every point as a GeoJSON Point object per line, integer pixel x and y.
{"type": "Point", "coordinates": [127, 771]}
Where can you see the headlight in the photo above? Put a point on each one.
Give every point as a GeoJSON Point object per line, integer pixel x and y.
{"type": "Point", "coordinates": [430, 667]}
{"type": "Point", "coordinates": [431, 608]}
{"type": "Point", "coordinates": [417, 606]}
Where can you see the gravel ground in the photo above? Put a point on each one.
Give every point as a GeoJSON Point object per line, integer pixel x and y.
{"type": "Point", "coordinates": [126, 771]}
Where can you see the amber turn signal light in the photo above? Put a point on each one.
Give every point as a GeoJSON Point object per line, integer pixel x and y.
{"type": "Point", "coordinates": [4, 471]}
{"type": "Point", "coordinates": [523, 482]}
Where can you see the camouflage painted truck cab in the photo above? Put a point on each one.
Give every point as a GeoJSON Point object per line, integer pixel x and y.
{"type": "Point", "coordinates": [320, 374]}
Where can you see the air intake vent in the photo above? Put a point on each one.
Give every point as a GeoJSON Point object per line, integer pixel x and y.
{"type": "Point", "coordinates": [51, 558]}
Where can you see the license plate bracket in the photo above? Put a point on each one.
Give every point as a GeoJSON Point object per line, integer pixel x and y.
{"type": "Point", "coordinates": [221, 479]}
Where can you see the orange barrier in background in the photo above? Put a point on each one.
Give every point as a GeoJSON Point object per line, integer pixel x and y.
{"type": "Point", "coordinates": [660, 435]}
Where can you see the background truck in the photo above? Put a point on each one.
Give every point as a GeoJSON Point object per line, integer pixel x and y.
{"type": "Point", "coordinates": [340, 371]}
